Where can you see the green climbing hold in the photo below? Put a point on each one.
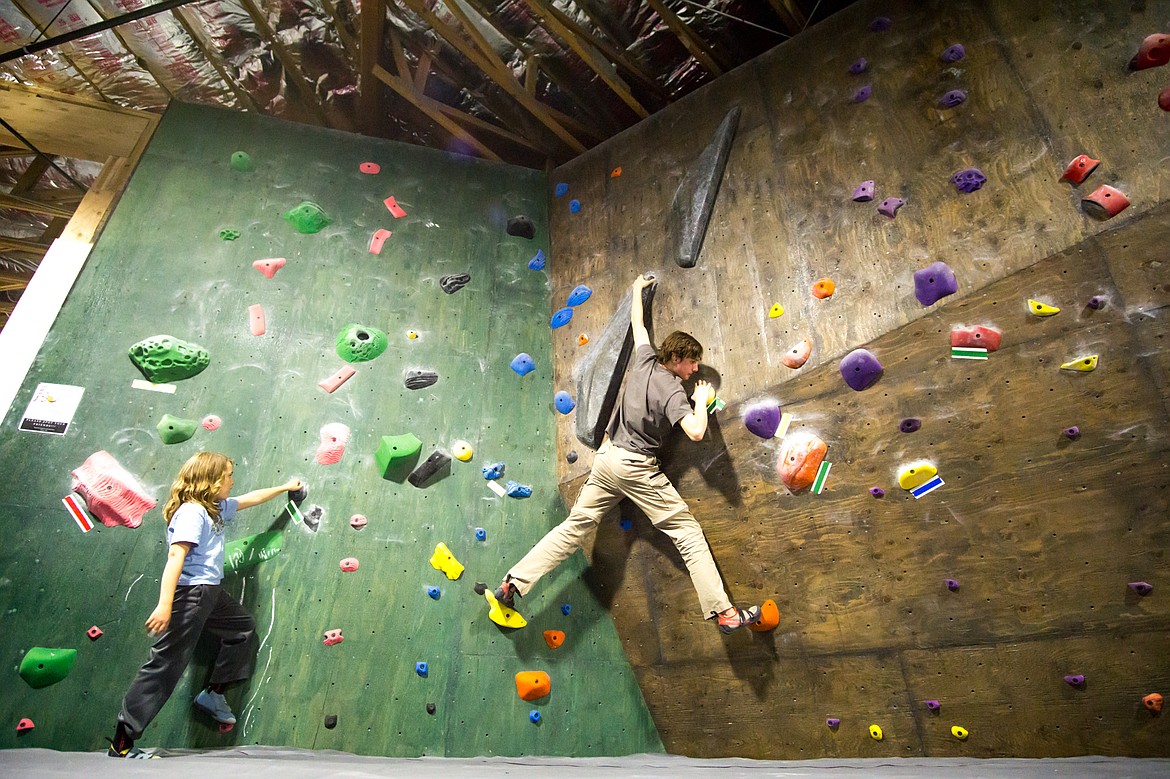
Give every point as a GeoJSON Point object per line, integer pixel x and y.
{"type": "Point", "coordinates": [163, 358]}
{"type": "Point", "coordinates": [307, 218]}
{"type": "Point", "coordinates": [42, 667]}
{"type": "Point", "coordinates": [246, 552]}
{"type": "Point", "coordinates": [228, 234]}
{"type": "Point", "coordinates": [241, 161]}
{"type": "Point", "coordinates": [175, 430]}
{"type": "Point", "coordinates": [358, 343]}
{"type": "Point", "coordinates": [393, 450]}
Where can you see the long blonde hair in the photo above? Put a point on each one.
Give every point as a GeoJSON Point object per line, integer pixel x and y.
{"type": "Point", "coordinates": [199, 481]}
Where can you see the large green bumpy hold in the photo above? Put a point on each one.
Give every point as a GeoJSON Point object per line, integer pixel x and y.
{"type": "Point", "coordinates": [163, 358]}
{"type": "Point", "coordinates": [307, 218]}
{"type": "Point", "coordinates": [359, 343]}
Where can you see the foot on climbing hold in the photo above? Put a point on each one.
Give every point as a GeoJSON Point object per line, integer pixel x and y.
{"type": "Point", "coordinates": [521, 227]}
{"type": "Point", "coordinates": [360, 343]}
{"type": "Point", "coordinates": [952, 584]}
{"type": "Point", "coordinates": [769, 617]}
{"type": "Point", "coordinates": [455, 282]}
{"type": "Point", "coordinates": [444, 561]}
{"type": "Point", "coordinates": [1083, 364]}
{"type": "Point", "coordinates": [94, 633]}
{"type": "Point", "coordinates": [1036, 308]}
{"type": "Point", "coordinates": [1153, 52]}
{"type": "Point", "coordinates": [953, 53]}
{"type": "Point", "coordinates": [798, 354]}
{"type": "Point", "coordinates": [523, 364]}
{"type": "Point", "coordinates": [953, 98]}
{"type": "Point", "coordinates": [501, 614]}
{"type": "Point", "coordinates": [561, 317]}
{"type": "Point", "coordinates": [462, 451]}
{"type": "Point", "coordinates": [333, 637]}
{"type": "Point", "coordinates": [875, 733]}
{"type": "Point", "coordinates": [1153, 702]}
{"type": "Point", "coordinates": [916, 474]}
{"type": "Point", "coordinates": [269, 267]}
{"type": "Point", "coordinates": [563, 402]}
{"type": "Point", "coordinates": [860, 369]}
{"type": "Point", "coordinates": [1141, 588]}
{"type": "Point", "coordinates": [533, 685]}
{"type": "Point", "coordinates": [823, 288]}
{"type": "Point", "coordinates": [1075, 680]}
{"type": "Point", "coordinates": [775, 311]}
{"type": "Point", "coordinates": [800, 457]}
{"type": "Point", "coordinates": [934, 282]}
{"type": "Point", "coordinates": [1104, 202]}
{"type": "Point", "coordinates": [42, 667]}
{"type": "Point", "coordinates": [175, 430]}
{"type": "Point", "coordinates": [762, 420]}
{"type": "Point", "coordinates": [579, 295]}
{"type": "Point", "coordinates": [969, 180]}
{"type": "Point", "coordinates": [554, 638]}
{"type": "Point", "coordinates": [863, 192]}
{"type": "Point", "coordinates": [959, 732]}
{"type": "Point", "coordinates": [833, 723]}
{"type": "Point", "coordinates": [976, 336]}
{"type": "Point", "coordinates": [889, 207]}
{"type": "Point", "coordinates": [1079, 169]}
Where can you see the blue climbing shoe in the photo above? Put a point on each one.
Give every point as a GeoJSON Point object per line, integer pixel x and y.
{"type": "Point", "coordinates": [214, 704]}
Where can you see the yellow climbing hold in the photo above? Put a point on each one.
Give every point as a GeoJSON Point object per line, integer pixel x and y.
{"type": "Point", "coordinates": [1083, 364]}
{"type": "Point", "coordinates": [501, 614]}
{"type": "Point", "coordinates": [446, 562]}
{"type": "Point", "coordinates": [1036, 308]}
{"type": "Point", "coordinates": [959, 732]}
{"type": "Point", "coordinates": [875, 732]}
{"type": "Point", "coordinates": [916, 474]}
{"type": "Point", "coordinates": [775, 311]}
{"type": "Point", "coordinates": [411, 334]}
{"type": "Point", "coordinates": [462, 451]}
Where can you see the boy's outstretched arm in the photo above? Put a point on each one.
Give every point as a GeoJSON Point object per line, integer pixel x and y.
{"type": "Point", "coordinates": [256, 497]}
{"type": "Point", "coordinates": [637, 316]}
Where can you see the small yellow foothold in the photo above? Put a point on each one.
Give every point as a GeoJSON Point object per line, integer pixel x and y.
{"type": "Point", "coordinates": [916, 474]}
{"type": "Point", "coordinates": [446, 562]}
{"type": "Point", "coordinates": [501, 614]}
{"type": "Point", "coordinates": [959, 732]}
{"type": "Point", "coordinates": [875, 732]}
{"type": "Point", "coordinates": [462, 451]}
{"type": "Point", "coordinates": [775, 311]}
{"type": "Point", "coordinates": [411, 334]}
{"type": "Point", "coordinates": [1083, 364]}
{"type": "Point", "coordinates": [50, 398]}
{"type": "Point", "coordinates": [1036, 308]}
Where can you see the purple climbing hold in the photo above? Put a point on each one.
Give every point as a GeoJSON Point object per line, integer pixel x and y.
{"type": "Point", "coordinates": [953, 53]}
{"type": "Point", "coordinates": [952, 584]}
{"type": "Point", "coordinates": [762, 420]}
{"type": "Point", "coordinates": [833, 723]}
{"type": "Point", "coordinates": [1071, 433]}
{"type": "Point", "coordinates": [561, 318]}
{"type": "Point", "coordinates": [863, 94]}
{"type": "Point", "coordinates": [859, 66]}
{"type": "Point", "coordinates": [1097, 302]}
{"type": "Point", "coordinates": [969, 180]}
{"type": "Point", "coordinates": [934, 706]}
{"type": "Point", "coordinates": [880, 24]}
{"type": "Point", "coordinates": [1075, 680]}
{"type": "Point", "coordinates": [910, 425]}
{"type": "Point", "coordinates": [860, 369]}
{"type": "Point", "coordinates": [953, 98]}
{"type": "Point", "coordinates": [523, 364]}
{"type": "Point", "coordinates": [889, 207]}
{"type": "Point", "coordinates": [934, 282]}
{"type": "Point", "coordinates": [863, 193]}
{"type": "Point", "coordinates": [877, 492]}
{"type": "Point", "coordinates": [1141, 588]}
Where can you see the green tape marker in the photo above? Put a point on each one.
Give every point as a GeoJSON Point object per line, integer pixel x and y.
{"type": "Point", "coordinates": [716, 404]}
{"type": "Point", "coordinates": [822, 477]}
{"type": "Point", "coordinates": [968, 353]}
{"type": "Point", "coordinates": [295, 511]}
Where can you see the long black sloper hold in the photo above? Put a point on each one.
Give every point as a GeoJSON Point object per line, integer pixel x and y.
{"type": "Point", "coordinates": [599, 375]}
{"type": "Point", "coordinates": [429, 467]}
{"type": "Point", "coordinates": [694, 200]}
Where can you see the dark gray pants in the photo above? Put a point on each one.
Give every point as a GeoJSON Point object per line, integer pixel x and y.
{"type": "Point", "coordinates": [197, 608]}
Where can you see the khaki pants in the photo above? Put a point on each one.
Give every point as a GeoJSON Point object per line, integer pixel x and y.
{"type": "Point", "coordinates": [617, 473]}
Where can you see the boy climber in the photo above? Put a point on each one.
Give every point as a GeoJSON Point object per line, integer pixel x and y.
{"type": "Point", "coordinates": [652, 403]}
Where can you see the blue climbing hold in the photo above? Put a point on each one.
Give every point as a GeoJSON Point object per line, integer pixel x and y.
{"type": "Point", "coordinates": [515, 489]}
{"type": "Point", "coordinates": [574, 206]}
{"type": "Point", "coordinates": [480, 534]}
{"type": "Point", "coordinates": [626, 524]}
{"type": "Point", "coordinates": [566, 608]}
{"type": "Point", "coordinates": [537, 261]}
{"type": "Point", "coordinates": [534, 717]}
{"type": "Point", "coordinates": [561, 318]}
{"type": "Point", "coordinates": [564, 402]}
{"type": "Point", "coordinates": [434, 593]}
{"type": "Point", "coordinates": [561, 189]}
{"type": "Point", "coordinates": [493, 471]}
{"type": "Point", "coordinates": [523, 364]}
{"type": "Point", "coordinates": [420, 668]}
{"type": "Point", "coordinates": [579, 295]}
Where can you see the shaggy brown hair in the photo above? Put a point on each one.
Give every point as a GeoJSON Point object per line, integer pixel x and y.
{"type": "Point", "coordinates": [681, 345]}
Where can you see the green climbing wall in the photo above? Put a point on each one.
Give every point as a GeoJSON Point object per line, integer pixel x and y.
{"type": "Point", "coordinates": [161, 267]}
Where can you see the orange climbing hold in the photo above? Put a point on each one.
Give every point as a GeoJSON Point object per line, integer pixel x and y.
{"type": "Point", "coordinates": [769, 617]}
{"type": "Point", "coordinates": [613, 174]}
{"type": "Point", "coordinates": [800, 457]}
{"type": "Point", "coordinates": [797, 355]}
{"type": "Point", "coordinates": [554, 638]}
{"type": "Point", "coordinates": [1153, 702]}
{"type": "Point", "coordinates": [531, 685]}
{"type": "Point", "coordinates": [582, 339]}
{"type": "Point", "coordinates": [823, 288]}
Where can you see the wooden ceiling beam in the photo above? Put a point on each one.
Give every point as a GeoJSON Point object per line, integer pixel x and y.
{"type": "Point", "coordinates": [347, 41]}
{"type": "Point", "coordinates": [372, 116]}
{"type": "Point", "coordinates": [288, 62]}
{"type": "Point", "coordinates": [790, 13]}
{"type": "Point", "coordinates": [214, 58]}
{"type": "Point", "coordinates": [34, 206]}
{"type": "Point", "coordinates": [23, 245]}
{"type": "Point", "coordinates": [702, 53]}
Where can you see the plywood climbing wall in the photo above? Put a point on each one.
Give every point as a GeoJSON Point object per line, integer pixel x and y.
{"type": "Point", "coordinates": [162, 267]}
{"type": "Point", "coordinates": [1043, 533]}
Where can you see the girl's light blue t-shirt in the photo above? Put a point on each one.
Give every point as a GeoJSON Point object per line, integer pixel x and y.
{"type": "Point", "coordinates": [191, 524]}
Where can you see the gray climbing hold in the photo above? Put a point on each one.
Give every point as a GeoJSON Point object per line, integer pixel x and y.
{"type": "Point", "coordinates": [695, 197]}
{"type": "Point", "coordinates": [455, 282]}
{"type": "Point", "coordinates": [416, 379]}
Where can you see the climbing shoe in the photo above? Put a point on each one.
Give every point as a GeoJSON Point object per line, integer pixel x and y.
{"type": "Point", "coordinates": [739, 619]}
{"type": "Point", "coordinates": [506, 593]}
{"type": "Point", "coordinates": [129, 753]}
{"type": "Point", "coordinates": [214, 704]}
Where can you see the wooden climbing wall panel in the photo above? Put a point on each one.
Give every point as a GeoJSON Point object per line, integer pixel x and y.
{"type": "Point", "coordinates": [162, 267]}
{"type": "Point", "coordinates": [1042, 532]}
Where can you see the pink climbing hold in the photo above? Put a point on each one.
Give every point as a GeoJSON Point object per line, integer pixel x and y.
{"type": "Point", "coordinates": [976, 336]}
{"type": "Point", "coordinates": [358, 521]}
{"type": "Point", "coordinates": [94, 633]}
{"type": "Point", "coordinates": [24, 726]}
{"type": "Point", "coordinates": [349, 564]}
{"type": "Point", "coordinates": [211, 422]}
{"type": "Point", "coordinates": [256, 322]}
{"type": "Point", "coordinates": [394, 208]}
{"type": "Point", "coordinates": [111, 493]}
{"type": "Point", "coordinates": [370, 168]}
{"type": "Point", "coordinates": [269, 267]}
{"type": "Point", "coordinates": [333, 637]}
{"type": "Point", "coordinates": [798, 354]}
{"type": "Point", "coordinates": [377, 239]}
{"type": "Point", "coordinates": [334, 437]}
{"type": "Point", "coordinates": [336, 380]}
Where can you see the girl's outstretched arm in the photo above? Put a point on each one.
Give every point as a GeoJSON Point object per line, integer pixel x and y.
{"type": "Point", "coordinates": [256, 497]}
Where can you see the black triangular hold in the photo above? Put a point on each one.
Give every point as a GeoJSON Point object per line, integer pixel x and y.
{"type": "Point", "coordinates": [695, 197]}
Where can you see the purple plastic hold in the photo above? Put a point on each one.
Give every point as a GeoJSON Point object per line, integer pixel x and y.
{"type": "Point", "coordinates": [952, 584]}
{"type": "Point", "coordinates": [1141, 588]}
{"type": "Point", "coordinates": [952, 98]}
{"type": "Point", "coordinates": [934, 282]}
{"type": "Point", "coordinates": [1071, 433]}
{"type": "Point", "coordinates": [910, 425]}
{"type": "Point", "coordinates": [877, 492]}
{"type": "Point", "coordinates": [762, 420]}
{"type": "Point", "coordinates": [860, 369]}
{"type": "Point", "coordinates": [880, 24]}
{"type": "Point", "coordinates": [1075, 680]}
{"type": "Point", "coordinates": [860, 66]}
{"type": "Point", "coordinates": [863, 94]}
{"type": "Point", "coordinates": [953, 53]}
{"type": "Point", "coordinates": [889, 207]}
{"type": "Point", "coordinates": [934, 706]}
{"type": "Point", "coordinates": [969, 180]}
{"type": "Point", "coordinates": [1097, 302]}
{"type": "Point", "coordinates": [833, 723]}
{"type": "Point", "coordinates": [863, 193]}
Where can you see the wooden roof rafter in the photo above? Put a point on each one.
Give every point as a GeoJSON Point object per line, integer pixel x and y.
{"type": "Point", "coordinates": [702, 53]}
{"type": "Point", "coordinates": [214, 57]}
{"type": "Point", "coordinates": [288, 62]}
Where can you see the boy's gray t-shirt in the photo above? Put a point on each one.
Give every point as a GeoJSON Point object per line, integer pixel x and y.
{"type": "Point", "coordinates": [651, 405]}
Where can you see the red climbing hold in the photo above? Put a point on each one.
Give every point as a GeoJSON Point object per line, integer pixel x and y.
{"type": "Point", "coordinates": [25, 724]}
{"type": "Point", "coordinates": [269, 267]}
{"type": "Point", "coordinates": [333, 637]}
{"type": "Point", "coordinates": [1079, 169]}
{"type": "Point", "coordinates": [94, 633]}
{"type": "Point", "coordinates": [1164, 99]}
{"type": "Point", "coordinates": [1153, 702]}
{"type": "Point", "coordinates": [111, 493]}
{"type": "Point", "coordinates": [976, 336]}
{"type": "Point", "coordinates": [1104, 202]}
{"type": "Point", "coordinates": [1154, 52]}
